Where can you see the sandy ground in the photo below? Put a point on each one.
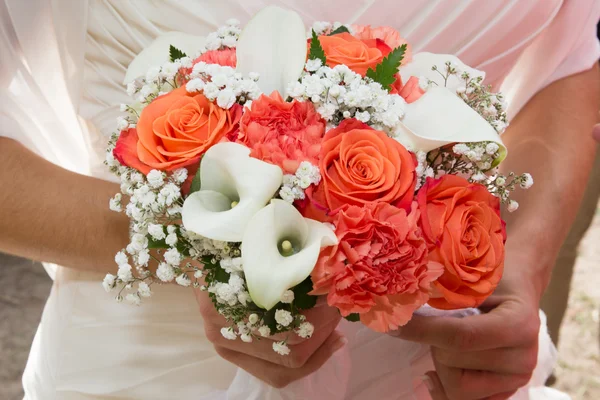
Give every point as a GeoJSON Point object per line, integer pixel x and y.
{"type": "Point", "coordinates": [24, 286]}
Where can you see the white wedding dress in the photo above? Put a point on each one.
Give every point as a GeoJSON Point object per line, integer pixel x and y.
{"type": "Point", "coordinates": [62, 65]}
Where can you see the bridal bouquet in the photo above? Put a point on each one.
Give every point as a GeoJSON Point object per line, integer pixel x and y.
{"type": "Point", "coordinates": [268, 167]}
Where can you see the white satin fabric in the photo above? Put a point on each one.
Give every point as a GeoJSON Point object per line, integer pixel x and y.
{"type": "Point", "coordinates": [62, 64]}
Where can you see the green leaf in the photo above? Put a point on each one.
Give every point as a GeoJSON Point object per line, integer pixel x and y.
{"type": "Point", "coordinates": [175, 53]}
{"type": "Point", "coordinates": [303, 300]}
{"type": "Point", "coordinates": [353, 317]}
{"type": "Point", "coordinates": [195, 182]}
{"type": "Point", "coordinates": [341, 29]}
{"type": "Point", "coordinates": [386, 70]}
{"type": "Point", "coordinates": [316, 50]}
{"type": "Point", "coordinates": [157, 244]}
{"type": "Point", "coordinates": [269, 320]}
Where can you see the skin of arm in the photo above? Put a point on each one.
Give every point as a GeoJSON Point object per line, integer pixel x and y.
{"type": "Point", "coordinates": [50, 214]}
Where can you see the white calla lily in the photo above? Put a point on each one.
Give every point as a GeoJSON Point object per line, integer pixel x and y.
{"type": "Point", "coordinates": [273, 44]}
{"type": "Point", "coordinates": [279, 250]}
{"type": "Point", "coordinates": [440, 117]}
{"type": "Point", "coordinates": [157, 53]}
{"type": "Point", "coordinates": [420, 66]}
{"type": "Point", "coordinates": [234, 187]}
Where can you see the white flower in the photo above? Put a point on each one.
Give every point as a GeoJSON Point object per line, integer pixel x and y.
{"type": "Point", "coordinates": [500, 181]}
{"type": "Point", "coordinates": [109, 283]}
{"type": "Point", "coordinates": [226, 98]}
{"type": "Point", "coordinates": [173, 257]}
{"type": "Point", "coordinates": [133, 298]}
{"type": "Point", "coordinates": [512, 206]}
{"type": "Point", "coordinates": [279, 250]}
{"type": "Point", "coordinates": [152, 74]}
{"type": "Point", "coordinates": [228, 333]}
{"type": "Point", "coordinates": [183, 280]}
{"type": "Point", "coordinates": [264, 331]}
{"type": "Point", "coordinates": [234, 187]}
{"type": "Point", "coordinates": [139, 242]}
{"type": "Point", "coordinates": [171, 229]}
{"type": "Point", "coordinates": [155, 178]}
{"type": "Point", "coordinates": [246, 338]}
{"type": "Point", "coordinates": [287, 194]}
{"type": "Point", "coordinates": [171, 239]}
{"type": "Point", "coordinates": [131, 88]}
{"type": "Point", "coordinates": [122, 123]}
{"type": "Point", "coordinates": [363, 116]}
{"type": "Point", "coordinates": [287, 296]}
{"type": "Point", "coordinates": [273, 44]}
{"type": "Point", "coordinates": [528, 182]}
{"type": "Point", "coordinates": [313, 65]}
{"type": "Point", "coordinates": [180, 175]}
{"type": "Point", "coordinates": [491, 148]}
{"type": "Point", "coordinates": [121, 258]}
{"type": "Point", "coordinates": [281, 348]}
{"type": "Point", "coordinates": [198, 274]}
{"type": "Point", "coordinates": [115, 203]}
{"type": "Point", "coordinates": [253, 319]}
{"type": "Point", "coordinates": [195, 85]}
{"type": "Point", "coordinates": [480, 176]}
{"type": "Point", "coordinates": [144, 290]}
{"type": "Point", "coordinates": [157, 231]}
{"type": "Point", "coordinates": [305, 330]}
{"type": "Point", "coordinates": [283, 317]}
{"type": "Point", "coordinates": [165, 272]}
{"type": "Point", "coordinates": [143, 257]}
{"type": "Point", "coordinates": [125, 273]}
{"type": "Point", "coordinates": [243, 297]}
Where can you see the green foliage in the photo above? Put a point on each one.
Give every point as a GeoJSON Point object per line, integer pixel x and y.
{"type": "Point", "coordinates": [303, 300]}
{"type": "Point", "coordinates": [386, 70]}
{"type": "Point", "coordinates": [175, 53]}
{"type": "Point", "coordinates": [195, 182]}
{"type": "Point", "coordinates": [157, 244]}
{"type": "Point", "coordinates": [353, 317]}
{"type": "Point", "coordinates": [341, 29]}
{"type": "Point", "coordinates": [316, 50]}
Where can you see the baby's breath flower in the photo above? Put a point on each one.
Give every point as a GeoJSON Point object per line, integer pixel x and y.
{"type": "Point", "coordinates": [264, 331]}
{"type": "Point", "coordinates": [144, 290]}
{"type": "Point", "coordinates": [287, 297]}
{"type": "Point", "coordinates": [133, 298]}
{"type": "Point", "coordinates": [283, 317]}
{"type": "Point", "coordinates": [281, 348]}
{"type": "Point", "coordinates": [109, 282]}
{"type": "Point", "coordinates": [512, 206]}
{"type": "Point", "coordinates": [183, 280]}
{"type": "Point", "coordinates": [228, 333]}
{"type": "Point", "coordinates": [305, 330]}
{"type": "Point", "coordinates": [165, 272]}
{"type": "Point", "coordinates": [124, 272]}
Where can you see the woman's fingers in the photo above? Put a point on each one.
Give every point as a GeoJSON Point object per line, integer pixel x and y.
{"type": "Point", "coordinates": [434, 385]}
{"type": "Point", "coordinates": [278, 376]}
{"type": "Point", "coordinates": [514, 360]}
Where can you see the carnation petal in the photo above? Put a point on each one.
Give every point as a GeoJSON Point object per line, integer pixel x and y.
{"type": "Point", "coordinates": [440, 117]}
{"type": "Point", "coordinates": [273, 44]}
{"type": "Point", "coordinates": [268, 273]}
{"type": "Point", "coordinates": [157, 53]}
{"type": "Point", "coordinates": [228, 175]}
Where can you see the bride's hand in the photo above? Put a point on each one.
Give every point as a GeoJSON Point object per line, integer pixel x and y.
{"type": "Point", "coordinates": [488, 356]}
{"type": "Point", "coordinates": [258, 357]}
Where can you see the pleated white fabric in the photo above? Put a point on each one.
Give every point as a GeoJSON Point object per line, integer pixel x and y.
{"type": "Point", "coordinates": [60, 88]}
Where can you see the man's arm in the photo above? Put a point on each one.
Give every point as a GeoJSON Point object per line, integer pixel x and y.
{"type": "Point", "coordinates": [50, 214]}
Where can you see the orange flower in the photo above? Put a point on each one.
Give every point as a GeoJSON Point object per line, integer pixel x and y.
{"type": "Point", "coordinates": [461, 222]}
{"type": "Point", "coordinates": [379, 269]}
{"type": "Point", "coordinates": [360, 165]}
{"type": "Point", "coordinates": [358, 55]}
{"type": "Point", "coordinates": [174, 131]}
{"type": "Point", "coordinates": [282, 133]}
{"type": "Point", "coordinates": [389, 35]}
{"type": "Point", "coordinates": [225, 57]}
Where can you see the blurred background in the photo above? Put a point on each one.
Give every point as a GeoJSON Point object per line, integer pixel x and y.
{"type": "Point", "coordinates": [24, 286]}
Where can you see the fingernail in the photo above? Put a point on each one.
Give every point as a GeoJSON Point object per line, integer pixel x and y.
{"type": "Point", "coordinates": [428, 382]}
{"type": "Point", "coordinates": [341, 342]}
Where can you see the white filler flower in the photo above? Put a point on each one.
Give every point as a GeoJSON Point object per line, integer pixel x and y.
{"type": "Point", "coordinates": [279, 250]}
{"type": "Point", "coordinates": [234, 187]}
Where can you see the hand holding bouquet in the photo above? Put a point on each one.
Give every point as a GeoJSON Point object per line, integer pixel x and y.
{"type": "Point", "coordinates": [267, 168]}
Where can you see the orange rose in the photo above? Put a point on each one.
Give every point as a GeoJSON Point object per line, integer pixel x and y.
{"type": "Point", "coordinates": [461, 222]}
{"type": "Point", "coordinates": [174, 131]}
{"type": "Point", "coordinates": [389, 35]}
{"type": "Point", "coordinates": [360, 165]}
{"type": "Point", "coordinates": [358, 55]}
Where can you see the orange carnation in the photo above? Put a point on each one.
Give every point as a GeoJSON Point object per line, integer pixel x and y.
{"type": "Point", "coordinates": [389, 35]}
{"type": "Point", "coordinates": [360, 165]}
{"type": "Point", "coordinates": [358, 55]}
{"type": "Point", "coordinates": [174, 131]}
{"type": "Point", "coordinates": [461, 222]}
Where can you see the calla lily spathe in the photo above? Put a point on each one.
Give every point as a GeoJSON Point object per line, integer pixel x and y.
{"type": "Point", "coordinates": [269, 273]}
{"type": "Point", "coordinates": [440, 117]}
{"type": "Point", "coordinates": [273, 44]}
{"type": "Point", "coordinates": [234, 187]}
{"type": "Point", "coordinates": [157, 53]}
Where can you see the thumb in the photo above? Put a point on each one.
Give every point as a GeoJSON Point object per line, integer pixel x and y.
{"type": "Point", "coordinates": [434, 385]}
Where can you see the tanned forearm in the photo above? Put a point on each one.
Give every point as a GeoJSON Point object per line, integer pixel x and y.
{"type": "Point", "coordinates": [50, 214]}
{"type": "Point", "coordinates": [550, 138]}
